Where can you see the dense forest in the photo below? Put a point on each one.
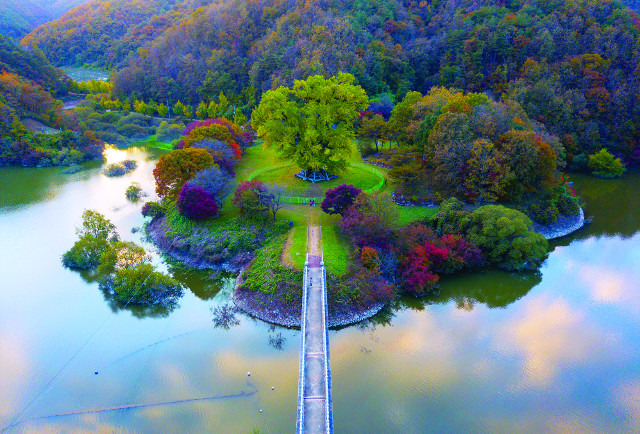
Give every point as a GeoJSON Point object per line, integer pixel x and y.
{"type": "Point", "coordinates": [19, 17]}
{"type": "Point", "coordinates": [572, 65]}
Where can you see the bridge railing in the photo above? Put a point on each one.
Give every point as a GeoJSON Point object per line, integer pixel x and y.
{"type": "Point", "coordinates": [301, 374]}
{"type": "Point", "coordinates": [327, 363]}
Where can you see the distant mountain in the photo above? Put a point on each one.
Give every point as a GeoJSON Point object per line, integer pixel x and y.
{"type": "Point", "coordinates": [19, 17]}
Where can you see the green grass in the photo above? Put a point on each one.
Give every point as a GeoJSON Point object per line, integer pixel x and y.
{"type": "Point", "coordinates": [298, 249]}
{"type": "Point", "coordinates": [335, 250]}
{"type": "Point", "coordinates": [409, 214]}
{"type": "Point", "coordinates": [357, 176]}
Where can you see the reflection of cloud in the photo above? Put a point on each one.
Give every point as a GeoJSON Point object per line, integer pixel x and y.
{"type": "Point", "coordinates": [606, 285]}
{"type": "Point", "coordinates": [15, 367]}
{"type": "Point", "coordinates": [549, 334]}
{"type": "Point", "coordinates": [628, 395]}
{"type": "Point", "coordinates": [606, 267]}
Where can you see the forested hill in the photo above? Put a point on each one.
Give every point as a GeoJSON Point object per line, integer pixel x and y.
{"type": "Point", "coordinates": [572, 64]}
{"type": "Point", "coordinates": [19, 17]}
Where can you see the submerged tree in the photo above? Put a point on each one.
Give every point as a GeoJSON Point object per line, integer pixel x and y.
{"type": "Point", "coordinates": [312, 123]}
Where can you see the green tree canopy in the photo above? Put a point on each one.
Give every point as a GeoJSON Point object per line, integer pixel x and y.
{"type": "Point", "coordinates": [312, 123]}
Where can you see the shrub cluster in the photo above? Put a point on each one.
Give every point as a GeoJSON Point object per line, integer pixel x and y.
{"type": "Point", "coordinates": [122, 267]}
{"type": "Point", "coordinates": [133, 192]}
{"type": "Point", "coordinates": [604, 165]}
{"type": "Point", "coordinates": [120, 168]}
{"type": "Point", "coordinates": [415, 256]}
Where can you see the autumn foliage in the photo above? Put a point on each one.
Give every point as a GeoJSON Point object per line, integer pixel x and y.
{"type": "Point", "coordinates": [173, 170]}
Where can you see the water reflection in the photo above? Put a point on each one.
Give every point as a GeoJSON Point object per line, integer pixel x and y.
{"type": "Point", "coordinates": [202, 283]}
{"type": "Point", "coordinates": [224, 316]}
{"type": "Point", "coordinates": [142, 311]}
{"type": "Point", "coordinates": [276, 339]}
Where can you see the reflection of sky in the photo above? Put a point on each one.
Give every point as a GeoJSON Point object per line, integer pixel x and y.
{"type": "Point", "coordinates": [562, 356]}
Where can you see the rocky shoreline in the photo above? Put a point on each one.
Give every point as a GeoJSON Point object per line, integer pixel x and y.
{"type": "Point", "coordinates": [564, 226]}
{"type": "Point", "coordinates": [288, 318]}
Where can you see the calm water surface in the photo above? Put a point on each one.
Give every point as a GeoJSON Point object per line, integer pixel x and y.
{"type": "Point", "coordinates": [557, 350]}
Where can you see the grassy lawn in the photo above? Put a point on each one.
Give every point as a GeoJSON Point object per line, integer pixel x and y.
{"type": "Point", "coordinates": [335, 250]}
{"type": "Point", "coordinates": [296, 252]}
{"type": "Point", "coordinates": [409, 214]}
{"type": "Point", "coordinates": [356, 176]}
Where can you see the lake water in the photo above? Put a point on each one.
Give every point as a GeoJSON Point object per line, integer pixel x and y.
{"type": "Point", "coordinates": [557, 350]}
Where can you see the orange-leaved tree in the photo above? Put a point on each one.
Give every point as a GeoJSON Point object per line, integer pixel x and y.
{"type": "Point", "coordinates": [176, 168]}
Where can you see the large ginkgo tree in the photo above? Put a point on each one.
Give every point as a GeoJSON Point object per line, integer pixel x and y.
{"type": "Point", "coordinates": [311, 123]}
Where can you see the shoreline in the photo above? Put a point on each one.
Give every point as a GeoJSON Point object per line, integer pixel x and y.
{"type": "Point", "coordinates": [566, 225]}
{"type": "Point", "coordinates": [249, 303]}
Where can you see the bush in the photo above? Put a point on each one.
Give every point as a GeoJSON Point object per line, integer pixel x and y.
{"type": "Point", "coordinates": [506, 238]}
{"type": "Point", "coordinates": [86, 252]}
{"type": "Point", "coordinates": [153, 209]}
{"type": "Point", "coordinates": [544, 213]}
{"type": "Point", "coordinates": [120, 168]}
{"type": "Point", "coordinates": [195, 203]}
{"type": "Point", "coordinates": [337, 200]}
{"type": "Point", "coordinates": [604, 165]}
{"type": "Point", "coordinates": [133, 192]}
{"type": "Point", "coordinates": [135, 119]}
{"type": "Point", "coordinates": [567, 204]}
{"type": "Point", "coordinates": [247, 198]}
{"type": "Point", "coordinates": [369, 258]}
{"type": "Point", "coordinates": [168, 132]}
{"type": "Point", "coordinates": [134, 131]}
{"type": "Point", "coordinates": [173, 170]}
{"type": "Point", "coordinates": [451, 218]}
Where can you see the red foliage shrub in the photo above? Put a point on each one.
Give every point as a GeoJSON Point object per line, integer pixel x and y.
{"type": "Point", "coordinates": [462, 253]}
{"type": "Point", "coordinates": [366, 229]}
{"type": "Point", "coordinates": [420, 267]}
{"type": "Point", "coordinates": [369, 257]}
{"type": "Point", "coordinates": [337, 200]}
